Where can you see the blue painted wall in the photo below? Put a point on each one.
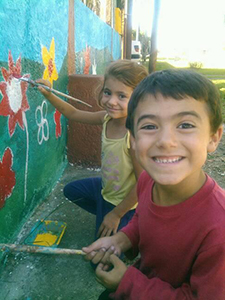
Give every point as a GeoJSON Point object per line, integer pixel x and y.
{"type": "Point", "coordinates": [34, 37]}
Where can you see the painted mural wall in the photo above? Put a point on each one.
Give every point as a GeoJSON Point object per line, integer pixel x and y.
{"type": "Point", "coordinates": [34, 43]}
{"type": "Point", "coordinates": [96, 44]}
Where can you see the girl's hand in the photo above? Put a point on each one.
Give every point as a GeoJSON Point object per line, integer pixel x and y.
{"type": "Point", "coordinates": [111, 279]}
{"type": "Point", "coordinates": [109, 225]}
{"type": "Point", "coordinates": [42, 89]}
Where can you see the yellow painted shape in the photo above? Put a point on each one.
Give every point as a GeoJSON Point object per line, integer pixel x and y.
{"type": "Point", "coordinates": [45, 239]}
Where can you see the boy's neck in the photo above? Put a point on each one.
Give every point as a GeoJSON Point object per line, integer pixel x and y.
{"type": "Point", "coordinates": [172, 195]}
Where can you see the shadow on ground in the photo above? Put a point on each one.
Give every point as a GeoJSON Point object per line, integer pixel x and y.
{"type": "Point", "coordinates": [57, 277]}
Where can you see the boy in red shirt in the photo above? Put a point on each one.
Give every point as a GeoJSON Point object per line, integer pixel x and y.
{"type": "Point", "coordinates": [175, 119]}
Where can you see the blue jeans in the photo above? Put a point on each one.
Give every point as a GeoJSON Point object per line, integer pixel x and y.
{"type": "Point", "coordinates": [86, 193]}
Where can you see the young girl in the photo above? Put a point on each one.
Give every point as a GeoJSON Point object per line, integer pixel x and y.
{"type": "Point", "coordinates": [112, 198]}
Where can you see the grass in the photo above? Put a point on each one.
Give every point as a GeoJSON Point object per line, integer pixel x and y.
{"type": "Point", "coordinates": [212, 74]}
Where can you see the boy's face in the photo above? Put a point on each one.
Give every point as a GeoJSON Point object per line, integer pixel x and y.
{"type": "Point", "coordinates": [172, 138]}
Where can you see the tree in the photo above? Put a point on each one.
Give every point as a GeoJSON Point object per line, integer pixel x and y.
{"type": "Point", "coordinates": [94, 5]}
{"type": "Point", "coordinates": [153, 55]}
{"type": "Point", "coordinates": [145, 45]}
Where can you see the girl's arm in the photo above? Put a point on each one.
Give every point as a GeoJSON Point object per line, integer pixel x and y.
{"type": "Point", "coordinates": [69, 111]}
{"type": "Point", "coordinates": [112, 219]}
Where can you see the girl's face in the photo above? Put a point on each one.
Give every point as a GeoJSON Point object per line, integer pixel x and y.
{"type": "Point", "coordinates": [116, 96]}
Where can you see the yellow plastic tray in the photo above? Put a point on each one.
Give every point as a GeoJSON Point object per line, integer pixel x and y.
{"type": "Point", "coordinates": [46, 233]}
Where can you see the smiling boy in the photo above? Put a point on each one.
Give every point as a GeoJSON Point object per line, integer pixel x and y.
{"type": "Point", "coordinates": [175, 119]}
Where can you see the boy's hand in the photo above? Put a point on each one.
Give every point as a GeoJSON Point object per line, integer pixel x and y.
{"type": "Point", "coordinates": [111, 279]}
{"type": "Point", "coordinates": [109, 225]}
{"type": "Point", "coordinates": [101, 249]}
{"type": "Point", "coordinates": [42, 89]}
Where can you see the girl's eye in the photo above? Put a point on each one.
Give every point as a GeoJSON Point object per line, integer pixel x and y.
{"type": "Point", "coordinates": [186, 126]}
{"type": "Point", "coordinates": [106, 93]}
{"type": "Point", "coordinates": [122, 96]}
{"type": "Point", "coordinates": [149, 127]}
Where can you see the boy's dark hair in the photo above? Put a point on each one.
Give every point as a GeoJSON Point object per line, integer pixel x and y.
{"type": "Point", "coordinates": [128, 72]}
{"type": "Point", "coordinates": [178, 84]}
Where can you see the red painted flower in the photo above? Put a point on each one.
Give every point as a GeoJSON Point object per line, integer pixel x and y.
{"type": "Point", "coordinates": [58, 128]}
{"type": "Point", "coordinates": [14, 100]}
{"type": "Point", "coordinates": [7, 177]}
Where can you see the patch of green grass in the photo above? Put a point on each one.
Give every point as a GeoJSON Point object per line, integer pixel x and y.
{"type": "Point", "coordinates": [160, 65]}
{"type": "Point", "coordinates": [220, 84]}
{"type": "Point", "coordinates": [220, 72]}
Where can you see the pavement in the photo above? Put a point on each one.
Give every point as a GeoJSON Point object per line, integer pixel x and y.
{"type": "Point", "coordinates": [29, 276]}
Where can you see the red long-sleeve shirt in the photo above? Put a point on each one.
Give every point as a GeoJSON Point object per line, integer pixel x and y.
{"type": "Point", "coordinates": [182, 247]}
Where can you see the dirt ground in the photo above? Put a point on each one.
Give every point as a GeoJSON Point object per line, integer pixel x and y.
{"type": "Point", "coordinates": [215, 165]}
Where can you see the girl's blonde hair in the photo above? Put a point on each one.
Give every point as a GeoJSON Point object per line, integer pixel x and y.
{"type": "Point", "coordinates": [128, 72]}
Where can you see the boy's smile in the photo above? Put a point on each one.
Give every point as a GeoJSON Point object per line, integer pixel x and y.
{"type": "Point", "coordinates": [172, 139]}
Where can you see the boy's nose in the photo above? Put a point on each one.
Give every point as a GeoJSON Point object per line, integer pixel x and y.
{"type": "Point", "coordinates": [166, 138]}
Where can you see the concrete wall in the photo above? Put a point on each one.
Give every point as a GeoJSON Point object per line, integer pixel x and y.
{"type": "Point", "coordinates": [34, 44]}
{"type": "Point", "coordinates": [84, 141]}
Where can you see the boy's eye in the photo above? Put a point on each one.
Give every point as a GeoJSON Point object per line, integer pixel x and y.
{"type": "Point", "coordinates": [186, 126]}
{"type": "Point", "coordinates": [149, 127]}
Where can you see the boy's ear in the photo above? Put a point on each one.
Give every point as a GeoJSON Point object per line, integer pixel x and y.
{"type": "Point", "coordinates": [215, 139]}
{"type": "Point", "coordinates": [132, 141]}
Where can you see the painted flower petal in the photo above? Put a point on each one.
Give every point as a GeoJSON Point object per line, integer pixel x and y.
{"type": "Point", "coordinates": [4, 104]}
{"type": "Point", "coordinates": [45, 56]}
{"type": "Point", "coordinates": [52, 49]}
{"type": "Point", "coordinates": [5, 74]}
{"type": "Point", "coordinates": [10, 61]}
{"type": "Point", "coordinates": [11, 125]}
{"type": "Point", "coordinates": [46, 75]}
{"type": "Point", "coordinates": [14, 101]}
{"type": "Point", "coordinates": [58, 128]}
{"type": "Point", "coordinates": [17, 69]}
{"type": "Point", "coordinates": [7, 177]}
{"type": "Point", "coordinates": [54, 73]}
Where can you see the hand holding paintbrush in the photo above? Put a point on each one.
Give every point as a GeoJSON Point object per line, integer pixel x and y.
{"type": "Point", "coordinates": [68, 110]}
{"type": "Point", "coordinates": [45, 88]}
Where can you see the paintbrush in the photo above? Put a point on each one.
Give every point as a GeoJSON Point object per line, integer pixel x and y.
{"type": "Point", "coordinates": [28, 80]}
{"type": "Point", "coordinates": [37, 249]}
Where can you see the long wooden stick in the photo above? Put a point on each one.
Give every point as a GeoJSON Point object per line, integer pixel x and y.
{"type": "Point", "coordinates": [37, 249]}
{"type": "Point", "coordinates": [66, 96]}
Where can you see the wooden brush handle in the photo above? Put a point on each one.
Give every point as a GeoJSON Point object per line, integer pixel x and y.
{"type": "Point", "coordinates": [64, 95]}
{"type": "Point", "coordinates": [37, 249]}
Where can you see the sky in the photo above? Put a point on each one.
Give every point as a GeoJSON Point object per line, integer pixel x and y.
{"type": "Point", "coordinates": [184, 25]}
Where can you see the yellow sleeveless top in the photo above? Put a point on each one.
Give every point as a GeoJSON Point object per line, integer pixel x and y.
{"type": "Point", "coordinates": [118, 176]}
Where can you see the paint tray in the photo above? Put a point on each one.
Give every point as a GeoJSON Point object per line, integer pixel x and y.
{"type": "Point", "coordinates": [46, 233]}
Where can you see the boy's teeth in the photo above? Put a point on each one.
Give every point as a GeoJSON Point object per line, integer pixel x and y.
{"type": "Point", "coordinates": [166, 161]}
